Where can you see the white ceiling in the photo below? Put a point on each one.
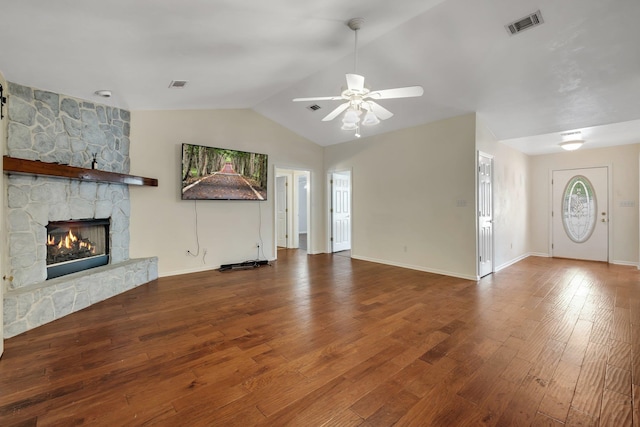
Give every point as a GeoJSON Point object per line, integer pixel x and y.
{"type": "Point", "coordinates": [580, 70]}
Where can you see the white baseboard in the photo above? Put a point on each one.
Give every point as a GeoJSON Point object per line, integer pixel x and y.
{"type": "Point", "coordinates": [193, 270]}
{"type": "Point", "coordinates": [629, 263]}
{"type": "Point", "coordinates": [513, 261]}
{"type": "Point", "coordinates": [415, 267]}
{"type": "Point", "coordinates": [187, 271]}
{"type": "Point", "coordinates": [540, 254]}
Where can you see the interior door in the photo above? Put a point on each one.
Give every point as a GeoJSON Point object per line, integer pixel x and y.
{"type": "Point", "coordinates": [281, 210]}
{"type": "Point", "coordinates": [580, 219]}
{"type": "Point", "coordinates": [341, 211]}
{"type": "Point", "coordinates": [485, 215]}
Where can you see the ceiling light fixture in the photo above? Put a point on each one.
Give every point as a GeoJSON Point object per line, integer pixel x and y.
{"type": "Point", "coordinates": [571, 140]}
{"type": "Point", "coordinates": [370, 119]}
{"type": "Point", "coordinates": [103, 93]}
{"type": "Point", "coordinates": [572, 145]}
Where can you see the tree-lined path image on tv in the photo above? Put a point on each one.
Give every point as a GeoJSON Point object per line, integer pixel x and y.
{"type": "Point", "coordinates": [221, 174]}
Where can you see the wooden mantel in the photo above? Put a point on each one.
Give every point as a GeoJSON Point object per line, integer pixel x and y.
{"type": "Point", "coordinates": [34, 167]}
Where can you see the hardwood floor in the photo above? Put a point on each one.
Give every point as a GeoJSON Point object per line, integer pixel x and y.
{"type": "Point", "coordinates": [331, 341]}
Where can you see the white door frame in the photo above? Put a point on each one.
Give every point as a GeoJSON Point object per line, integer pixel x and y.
{"type": "Point", "coordinates": [493, 230]}
{"type": "Point", "coordinates": [330, 203]}
{"type": "Point", "coordinates": [609, 203]}
{"type": "Point", "coordinates": [292, 208]}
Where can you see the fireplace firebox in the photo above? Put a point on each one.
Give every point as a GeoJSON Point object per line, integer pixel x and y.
{"type": "Point", "coordinates": [77, 245]}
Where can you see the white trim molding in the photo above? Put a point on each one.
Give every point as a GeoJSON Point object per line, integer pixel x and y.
{"type": "Point", "coordinates": [418, 268]}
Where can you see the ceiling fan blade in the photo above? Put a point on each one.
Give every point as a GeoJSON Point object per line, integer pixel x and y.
{"type": "Point", "coordinates": [377, 109]}
{"type": "Point", "coordinates": [355, 82]}
{"type": "Point", "coordinates": [400, 92]}
{"type": "Point", "coordinates": [332, 115]}
{"type": "Point", "coordinates": [318, 98]}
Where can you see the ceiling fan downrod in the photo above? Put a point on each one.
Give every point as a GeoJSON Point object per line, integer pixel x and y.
{"type": "Point", "coordinates": [355, 24]}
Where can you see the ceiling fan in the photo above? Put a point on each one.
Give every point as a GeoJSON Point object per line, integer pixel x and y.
{"type": "Point", "coordinates": [359, 98]}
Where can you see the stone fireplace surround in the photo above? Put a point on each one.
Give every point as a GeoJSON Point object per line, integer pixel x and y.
{"type": "Point", "coordinates": [55, 128]}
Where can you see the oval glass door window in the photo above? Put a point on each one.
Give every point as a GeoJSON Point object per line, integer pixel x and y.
{"type": "Point", "coordinates": [579, 207]}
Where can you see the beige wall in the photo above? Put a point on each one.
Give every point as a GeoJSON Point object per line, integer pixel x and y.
{"type": "Point", "coordinates": [164, 225]}
{"type": "Point", "coordinates": [414, 196]}
{"type": "Point", "coordinates": [624, 220]}
{"type": "Point", "coordinates": [511, 191]}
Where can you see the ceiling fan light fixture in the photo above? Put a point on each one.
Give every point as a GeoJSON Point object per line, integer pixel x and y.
{"type": "Point", "coordinates": [370, 119]}
{"type": "Point", "coordinates": [356, 97]}
{"type": "Point", "coordinates": [351, 116]}
{"type": "Point", "coordinates": [572, 144]}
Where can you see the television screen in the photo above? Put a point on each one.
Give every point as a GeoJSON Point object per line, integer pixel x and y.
{"type": "Point", "coordinates": [210, 173]}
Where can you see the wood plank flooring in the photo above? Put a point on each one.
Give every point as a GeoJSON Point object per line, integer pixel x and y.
{"type": "Point", "coordinates": [328, 341]}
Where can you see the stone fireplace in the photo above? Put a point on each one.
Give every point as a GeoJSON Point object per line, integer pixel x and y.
{"type": "Point", "coordinates": [49, 127]}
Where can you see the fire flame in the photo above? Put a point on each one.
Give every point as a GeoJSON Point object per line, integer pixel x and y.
{"type": "Point", "coordinates": [68, 241]}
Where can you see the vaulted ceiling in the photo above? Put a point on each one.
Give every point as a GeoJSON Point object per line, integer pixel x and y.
{"type": "Point", "coordinates": [579, 70]}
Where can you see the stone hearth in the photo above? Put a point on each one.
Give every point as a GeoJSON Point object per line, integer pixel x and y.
{"type": "Point", "coordinates": [54, 128]}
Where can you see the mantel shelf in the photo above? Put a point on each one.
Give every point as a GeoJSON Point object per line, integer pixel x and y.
{"type": "Point", "coordinates": [34, 167]}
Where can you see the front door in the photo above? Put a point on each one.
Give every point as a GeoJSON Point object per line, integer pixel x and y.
{"type": "Point", "coordinates": [580, 215]}
{"type": "Point", "coordinates": [341, 211]}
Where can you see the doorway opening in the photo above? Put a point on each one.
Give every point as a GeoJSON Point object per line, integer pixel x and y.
{"type": "Point", "coordinates": [340, 212]}
{"type": "Point", "coordinates": [293, 201]}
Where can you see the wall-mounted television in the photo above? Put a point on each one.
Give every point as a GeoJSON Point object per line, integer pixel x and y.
{"type": "Point", "coordinates": [210, 173]}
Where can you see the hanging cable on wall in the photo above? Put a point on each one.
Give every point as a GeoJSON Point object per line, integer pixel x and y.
{"type": "Point", "coordinates": [197, 253]}
{"type": "Point", "coordinates": [260, 233]}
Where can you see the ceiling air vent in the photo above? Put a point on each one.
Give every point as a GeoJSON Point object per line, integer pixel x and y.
{"type": "Point", "coordinates": [571, 134]}
{"type": "Point", "coordinates": [524, 23]}
{"type": "Point", "coordinates": [178, 84]}
{"type": "Point", "coordinates": [314, 107]}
